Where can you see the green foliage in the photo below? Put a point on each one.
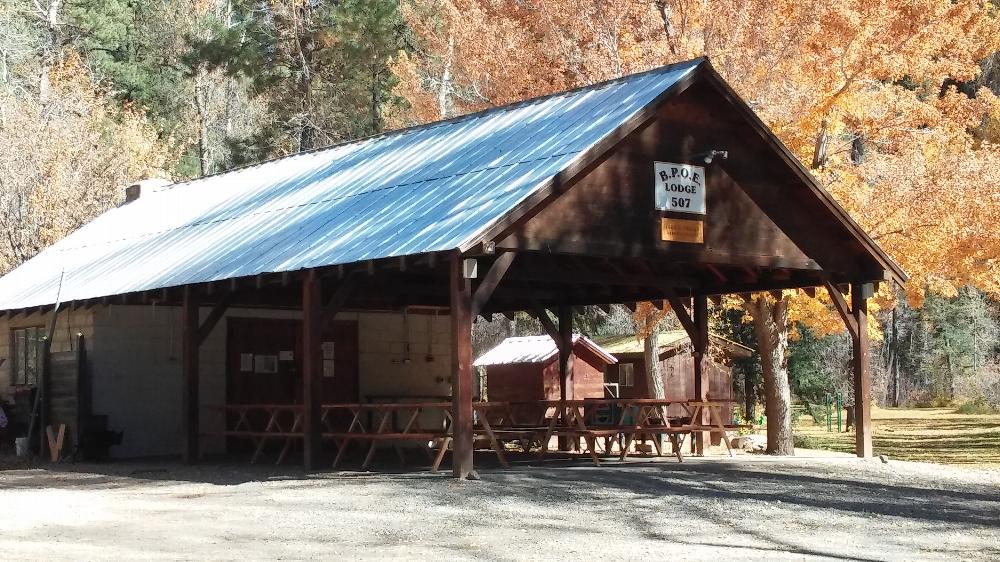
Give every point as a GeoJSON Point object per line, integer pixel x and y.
{"type": "Point", "coordinates": [136, 46]}
{"type": "Point", "coordinates": [818, 366]}
{"type": "Point", "coordinates": [947, 340]}
{"type": "Point", "coordinates": [976, 407]}
{"type": "Point", "coordinates": [322, 68]}
{"type": "Point", "coordinates": [817, 412]}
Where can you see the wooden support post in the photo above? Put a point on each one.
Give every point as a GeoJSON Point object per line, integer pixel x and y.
{"type": "Point", "coordinates": [862, 372]}
{"type": "Point", "coordinates": [191, 325]}
{"type": "Point", "coordinates": [312, 366]}
{"type": "Point", "coordinates": [461, 369]}
{"type": "Point", "coordinates": [565, 345]}
{"type": "Point", "coordinates": [700, 344]}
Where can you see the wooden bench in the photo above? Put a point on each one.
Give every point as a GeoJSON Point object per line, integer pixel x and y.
{"type": "Point", "coordinates": [344, 439]}
{"type": "Point", "coordinates": [629, 432]}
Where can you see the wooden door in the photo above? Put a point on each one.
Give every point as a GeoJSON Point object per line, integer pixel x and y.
{"type": "Point", "coordinates": [263, 364]}
{"type": "Point", "coordinates": [264, 361]}
{"type": "Point", "coordinates": [340, 385]}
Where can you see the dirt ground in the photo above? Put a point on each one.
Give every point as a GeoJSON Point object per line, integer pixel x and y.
{"type": "Point", "coordinates": [814, 506]}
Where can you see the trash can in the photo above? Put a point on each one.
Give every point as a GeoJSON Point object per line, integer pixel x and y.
{"type": "Point", "coordinates": [21, 446]}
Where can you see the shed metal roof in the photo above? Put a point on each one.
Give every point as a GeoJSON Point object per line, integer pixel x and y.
{"type": "Point", "coordinates": [534, 349]}
{"type": "Point", "coordinates": [668, 340]}
{"type": "Point", "coordinates": [424, 189]}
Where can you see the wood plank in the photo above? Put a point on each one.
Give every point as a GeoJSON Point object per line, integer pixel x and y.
{"type": "Point", "coordinates": [565, 345]}
{"type": "Point", "coordinates": [700, 344]}
{"type": "Point", "coordinates": [840, 304]}
{"type": "Point", "coordinates": [218, 311]}
{"type": "Point", "coordinates": [461, 333]}
{"type": "Point", "coordinates": [490, 281]}
{"type": "Point", "coordinates": [190, 344]}
{"type": "Point", "coordinates": [862, 374]}
{"type": "Point", "coordinates": [56, 441]}
{"type": "Point", "coordinates": [312, 368]}
{"type": "Point", "coordinates": [682, 314]}
{"type": "Point", "coordinates": [341, 295]}
{"type": "Point", "coordinates": [549, 326]}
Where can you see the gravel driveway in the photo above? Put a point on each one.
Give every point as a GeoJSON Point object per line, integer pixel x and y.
{"type": "Point", "coordinates": [750, 507]}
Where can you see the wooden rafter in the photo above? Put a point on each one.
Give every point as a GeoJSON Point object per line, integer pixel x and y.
{"type": "Point", "coordinates": [490, 281]}
{"type": "Point", "coordinates": [719, 276]}
{"type": "Point", "coordinates": [682, 314]}
{"type": "Point", "coordinates": [840, 303]}
{"type": "Point", "coordinates": [340, 296]}
{"type": "Point", "coordinates": [213, 318]}
{"type": "Point", "coordinates": [550, 327]}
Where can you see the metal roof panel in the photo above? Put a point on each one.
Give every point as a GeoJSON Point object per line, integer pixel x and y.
{"type": "Point", "coordinates": [429, 188]}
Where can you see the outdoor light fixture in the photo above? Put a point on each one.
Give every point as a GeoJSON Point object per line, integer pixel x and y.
{"type": "Point", "coordinates": [470, 268]}
{"type": "Point", "coordinates": [711, 155]}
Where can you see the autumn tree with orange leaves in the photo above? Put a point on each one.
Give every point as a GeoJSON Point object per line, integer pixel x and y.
{"type": "Point", "coordinates": [866, 92]}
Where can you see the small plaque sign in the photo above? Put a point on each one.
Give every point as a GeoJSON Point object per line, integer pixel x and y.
{"type": "Point", "coordinates": [680, 188]}
{"type": "Point", "coordinates": [682, 230]}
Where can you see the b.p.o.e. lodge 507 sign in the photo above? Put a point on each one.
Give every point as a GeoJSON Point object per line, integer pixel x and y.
{"type": "Point", "coordinates": [680, 188]}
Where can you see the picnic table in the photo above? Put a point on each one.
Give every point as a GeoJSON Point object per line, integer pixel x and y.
{"type": "Point", "coordinates": [635, 418]}
{"type": "Point", "coordinates": [283, 423]}
{"type": "Point", "coordinates": [372, 424]}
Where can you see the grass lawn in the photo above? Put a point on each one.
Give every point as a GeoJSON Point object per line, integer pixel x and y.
{"type": "Point", "coordinates": [936, 435]}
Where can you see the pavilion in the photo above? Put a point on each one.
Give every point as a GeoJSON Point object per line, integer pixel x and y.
{"type": "Point", "coordinates": [660, 186]}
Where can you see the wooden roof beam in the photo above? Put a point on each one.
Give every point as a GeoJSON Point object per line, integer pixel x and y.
{"type": "Point", "coordinates": [716, 273]}
{"type": "Point", "coordinates": [491, 281]}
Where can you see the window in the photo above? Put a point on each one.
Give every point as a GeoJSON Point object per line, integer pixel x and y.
{"type": "Point", "coordinates": [26, 355]}
{"type": "Point", "coordinates": [626, 374]}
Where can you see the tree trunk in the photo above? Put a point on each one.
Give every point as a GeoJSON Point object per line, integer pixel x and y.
{"type": "Point", "coordinates": [444, 90]}
{"type": "Point", "coordinates": [651, 354]}
{"type": "Point", "coordinates": [894, 362]}
{"type": "Point", "coordinates": [200, 103]}
{"type": "Point", "coordinates": [770, 326]}
{"type": "Point", "coordinates": [51, 50]}
{"type": "Point", "coordinates": [749, 398]}
{"type": "Point", "coordinates": [666, 15]}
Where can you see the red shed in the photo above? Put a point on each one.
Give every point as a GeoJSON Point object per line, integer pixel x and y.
{"type": "Point", "coordinates": [527, 368]}
{"type": "Point", "coordinates": [676, 368]}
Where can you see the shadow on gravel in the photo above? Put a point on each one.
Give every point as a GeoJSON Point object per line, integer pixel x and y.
{"type": "Point", "coordinates": [731, 482]}
{"type": "Point", "coordinates": [559, 478]}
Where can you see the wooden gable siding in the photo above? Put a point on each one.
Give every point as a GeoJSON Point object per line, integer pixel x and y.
{"type": "Point", "coordinates": [677, 371]}
{"type": "Point", "coordinates": [587, 380]}
{"type": "Point", "coordinates": [520, 382]}
{"type": "Point", "coordinates": [610, 211]}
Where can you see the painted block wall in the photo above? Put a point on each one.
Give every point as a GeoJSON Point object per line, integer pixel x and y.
{"type": "Point", "coordinates": [134, 356]}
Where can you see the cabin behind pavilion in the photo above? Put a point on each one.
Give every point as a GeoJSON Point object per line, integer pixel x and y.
{"type": "Point", "coordinates": [526, 368]}
{"type": "Point", "coordinates": [357, 270]}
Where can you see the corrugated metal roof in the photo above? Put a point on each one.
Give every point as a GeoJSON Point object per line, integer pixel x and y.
{"type": "Point", "coordinates": [534, 349]}
{"type": "Point", "coordinates": [620, 345]}
{"type": "Point", "coordinates": [631, 344]}
{"type": "Point", "coordinates": [429, 188]}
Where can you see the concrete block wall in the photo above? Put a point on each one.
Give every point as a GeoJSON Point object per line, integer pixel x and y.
{"type": "Point", "coordinates": [385, 370]}
{"type": "Point", "coordinates": [135, 358]}
{"type": "Point", "coordinates": [134, 354]}
{"type": "Point", "coordinates": [400, 359]}
{"type": "Point", "coordinates": [137, 376]}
